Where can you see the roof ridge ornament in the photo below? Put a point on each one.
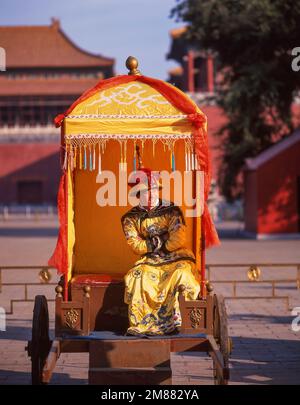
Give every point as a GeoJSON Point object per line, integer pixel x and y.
{"type": "Point", "coordinates": [132, 65]}
{"type": "Point", "coordinates": [55, 23]}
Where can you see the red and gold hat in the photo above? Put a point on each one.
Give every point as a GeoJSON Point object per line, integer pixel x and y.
{"type": "Point", "coordinates": [146, 178]}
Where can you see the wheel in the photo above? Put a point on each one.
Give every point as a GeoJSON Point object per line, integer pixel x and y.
{"type": "Point", "coordinates": [220, 333]}
{"type": "Point", "coordinates": [218, 378]}
{"type": "Point", "coordinates": [40, 344]}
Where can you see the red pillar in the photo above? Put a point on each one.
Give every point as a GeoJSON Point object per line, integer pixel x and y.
{"type": "Point", "coordinates": [191, 86]}
{"type": "Point", "coordinates": [210, 74]}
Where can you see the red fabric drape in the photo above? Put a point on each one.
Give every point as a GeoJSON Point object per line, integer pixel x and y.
{"type": "Point", "coordinates": [203, 156]}
{"type": "Point", "coordinates": [59, 259]}
{"type": "Point", "coordinates": [178, 100]}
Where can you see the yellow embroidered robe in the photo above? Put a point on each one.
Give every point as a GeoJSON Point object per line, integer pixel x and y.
{"type": "Point", "coordinates": [151, 285]}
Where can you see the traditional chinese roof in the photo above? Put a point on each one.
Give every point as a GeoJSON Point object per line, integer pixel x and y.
{"type": "Point", "coordinates": [45, 46]}
{"type": "Point", "coordinates": [273, 151]}
{"type": "Point", "coordinates": [176, 71]}
{"type": "Point", "coordinates": [45, 86]}
{"type": "Point", "coordinates": [178, 48]}
{"type": "Point", "coordinates": [177, 32]}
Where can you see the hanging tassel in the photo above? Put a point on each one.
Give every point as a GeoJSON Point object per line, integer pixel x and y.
{"type": "Point", "coordinates": [173, 157]}
{"type": "Point", "coordinates": [91, 159]}
{"type": "Point", "coordinates": [75, 156]}
{"type": "Point", "coordinates": [134, 155]}
{"type": "Point", "coordinates": [143, 146]}
{"type": "Point", "coordinates": [185, 155]}
{"type": "Point", "coordinates": [125, 155]}
{"type": "Point", "coordinates": [80, 157]}
{"type": "Point", "coordinates": [197, 163]}
{"type": "Point", "coordinates": [99, 158]}
{"type": "Point", "coordinates": [94, 157]}
{"type": "Point", "coordinates": [84, 158]}
{"type": "Point", "coordinates": [122, 159]}
{"type": "Point", "coordinates": [65, 165]}
{"type": "Point", "coordinates": [71, 158]}
{"type": "Point", "coordinates": [173, 162]}
{"type": "Point", "coordinates": [153, 147]}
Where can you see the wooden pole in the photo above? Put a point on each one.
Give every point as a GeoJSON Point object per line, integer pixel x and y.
{"type": "Point", "coordinates": [66, 207]}
{"type": "Point", "coordinates": [203, 286]}
{"type": "Point", "coordinates": [190, 60]}
{"type": "Point", "coordinates": [210, 74]}
{"type": "Point", "coordinates": [198, 238]}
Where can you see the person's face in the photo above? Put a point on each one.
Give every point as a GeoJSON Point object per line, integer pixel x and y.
{"type": "Point", "coordinates": [148, 198]}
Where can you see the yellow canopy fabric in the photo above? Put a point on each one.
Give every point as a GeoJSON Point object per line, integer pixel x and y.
{"type": "Point", "coordinates": [133, 98]}
{"type": "Point", "coordinates": [132, 109]}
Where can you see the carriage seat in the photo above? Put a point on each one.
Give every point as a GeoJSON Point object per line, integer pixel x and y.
{"type": "Point", "coordinates": [107, 308]}
{"type": "Point", "coordinates": [97, 279]}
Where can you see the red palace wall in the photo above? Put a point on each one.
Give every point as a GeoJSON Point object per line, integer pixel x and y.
{"type": "Point", "coordinates": [250, 180]}
{"type": "Point", "coordinates": [272, 194]}
{"type": "Point", "coordinates": [29, 162]}
{"type": "Point", "coordinates": [215, 119]}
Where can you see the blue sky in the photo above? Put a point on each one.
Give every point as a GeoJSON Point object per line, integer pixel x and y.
{"type": "Point", "coordinates": [114, 28]}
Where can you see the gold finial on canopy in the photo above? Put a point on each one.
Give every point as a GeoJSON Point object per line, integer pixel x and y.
{"type": "Point", "coordinates": [132, 64]}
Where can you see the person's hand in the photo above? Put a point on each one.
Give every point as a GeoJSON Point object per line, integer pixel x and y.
{"type": "Point", "coordinates": [164, 237]}
{"type": "Point", "coordinates": [157, 243]}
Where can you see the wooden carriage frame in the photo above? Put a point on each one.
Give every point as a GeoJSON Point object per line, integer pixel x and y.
{"type": "Point", "coordinates": [92, 316]}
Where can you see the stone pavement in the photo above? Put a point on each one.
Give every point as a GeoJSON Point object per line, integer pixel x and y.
{"type": "Point", "coordinates": [266, 350]}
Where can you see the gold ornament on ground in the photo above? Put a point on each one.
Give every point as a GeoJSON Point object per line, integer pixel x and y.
{"type": "Point", "coordinates": [45, 276]}
{"type": "Point", "coordinates": [254, 273]}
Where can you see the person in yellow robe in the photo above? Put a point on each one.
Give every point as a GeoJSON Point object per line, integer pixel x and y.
{"type": "Point", "coordinates": [155, 230]}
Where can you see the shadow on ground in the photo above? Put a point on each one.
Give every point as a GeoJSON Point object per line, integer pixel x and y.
{"type": "Point", "coordinates": [286, 320]}
{"type": "Point", "coordinates": [29, 232]}
{"type": "Point", "coordinates": [20, 333]}
{"type": "Point", "coordinates": [265, 361]}
{"type": "Point", "coordinates": [8, 377]}
{"type": "Point", "coordinates": [14, 377]}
